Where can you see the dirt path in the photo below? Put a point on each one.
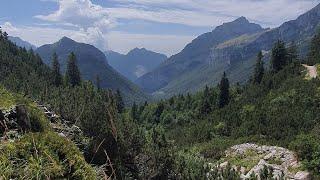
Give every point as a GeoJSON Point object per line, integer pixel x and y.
{"type": "Point", "coordinates": [312, 71]}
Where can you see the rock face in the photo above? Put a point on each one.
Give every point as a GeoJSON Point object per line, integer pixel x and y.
{"type": "Point", "coordinates": [15, 121]}
{"type": "Point", "coordinates": [283, 162]}
{"type": "Point", "coordinates": [231, 47]}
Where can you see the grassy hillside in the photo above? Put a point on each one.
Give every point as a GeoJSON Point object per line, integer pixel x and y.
{"type": "Point", "coordinates": [38, 153]}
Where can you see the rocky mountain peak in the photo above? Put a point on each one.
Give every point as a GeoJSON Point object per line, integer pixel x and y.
{"type": "Point", "coordinates": [240, 25]}
{"type": "Point", "coordinates": [66, 40]}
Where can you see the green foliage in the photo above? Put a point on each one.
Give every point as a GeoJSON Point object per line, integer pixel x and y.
{"type": "Point", "coordinates": [308, 150]}
{"type": "Point", "coordinates": [73, 72]}
{"type": "Point", "coordinates": [278, 56]}
{"type": "Point", "coordinates": [314, 53]}
{"type": "Point", "coordinates": [38, 120]}
{"type": "Point", "coordinates": [56, 76]}
{"type": "Point", "coordinates": [120, 103]}
{"type": "Point", "coordinates": [43, 156]}
{"type": "Point", "coordinates": [224, 96]}
{"type": "Point", "coordinates": [259, 69]}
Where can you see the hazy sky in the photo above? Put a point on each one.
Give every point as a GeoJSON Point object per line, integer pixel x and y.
{"type": "Point", "coordinates": [164, 26]}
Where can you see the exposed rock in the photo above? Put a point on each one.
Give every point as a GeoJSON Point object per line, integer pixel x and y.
{"type": "Point", "coordinates": [302, 175]}
{"type": "Point", "coordinates": [22, 118]}
{"type": "Point", "coordinates": [279, 159]}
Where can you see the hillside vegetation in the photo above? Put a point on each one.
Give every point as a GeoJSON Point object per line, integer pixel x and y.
{"type": "Point", "coordinates": [184, 137]}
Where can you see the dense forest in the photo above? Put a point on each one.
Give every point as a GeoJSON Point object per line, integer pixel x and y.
{"type": "Point", "coordinates": [170, 139]}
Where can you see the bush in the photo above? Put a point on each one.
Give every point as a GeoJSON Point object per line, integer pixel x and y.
{"type": "Point", "coordinates": [43, 156]}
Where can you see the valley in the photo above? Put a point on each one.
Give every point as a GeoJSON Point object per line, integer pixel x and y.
{"type": "Point", "coordinates": [238, 103]}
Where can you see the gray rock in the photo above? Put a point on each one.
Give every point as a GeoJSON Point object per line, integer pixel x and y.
{"type": "Point", "coordinates": [302, 175]}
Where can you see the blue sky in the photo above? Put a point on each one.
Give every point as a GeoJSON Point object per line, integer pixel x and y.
{"type": "Point", "coordinates": [164, 26]}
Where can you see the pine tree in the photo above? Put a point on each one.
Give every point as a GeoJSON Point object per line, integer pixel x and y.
{"type": "Point", "coordinates": [120, 103]}
{"type": "Point", "coordinates": [224, 96]}
{"type": "Point", "coordinates": [259, 69]}
{"type": "Point", "coordinates": [205, 106]}
{"type": "Point", "coordinates": [159, 111]}
{"type": "Point", "coordinates": [314, 54]}
{"type": "Point", "coordinates": [72, 73]}
{"type": "Point", "coordinates": [278, 56]}
{"type": "Point", "coordinates": [57, 78]}
{"type": "Point", "coordinates": [98, 82]}
{"type": "Point", "coordinates": [292, 53]}
{"type": "Point", "coordinates": [134, 111]}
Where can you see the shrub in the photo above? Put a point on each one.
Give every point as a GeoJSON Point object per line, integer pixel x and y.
{"type": "Point", "coordinates": [43, 156]}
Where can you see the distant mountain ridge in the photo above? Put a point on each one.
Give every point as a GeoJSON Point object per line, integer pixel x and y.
{"type": "Point", "coordinates": [231, 47]}
{"type": "Point", "coordinates": [92, 63]}
{"type": "Point", "coordinates": [135, 63]}
{"type": "Point", "coordinates": [195, 53]}
{"type": "Point", "coordinates": [21, 43]}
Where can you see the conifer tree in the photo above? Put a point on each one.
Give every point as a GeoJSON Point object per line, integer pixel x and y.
{"type": "Point", "coordinates": [278, 56]}
{"type": "Point", "coordinates": [73, 73]}
{"type": "Point", "coordinates": [159, 111]}
{"type": "Point", "coordinates": [57, 78]}
{"type": "Point", "coordinates": [224, 96]}
{"type": "Point", "coordinates": [314, 54]}
{"type": "Point", "coordinates": [98, 82]}
{"type": "Point", "coordinates": [292, 53]}
{"type": "Point", "coordinates": [134, 111]}
{"type": "Point", "coordinates": [259, 69]}
{"type": "Point", "coordinates": [120, 103]}
{"type": "Point", "coordinates": [205, 106]}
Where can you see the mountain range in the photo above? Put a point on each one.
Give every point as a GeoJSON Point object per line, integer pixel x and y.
{"type": "Point", "coordinates": [21, 43]}
{"type": "Point", "coordinates": [231, 48]}
{"type": "Point", "coordinates": [135, 63]}
{"type": "Point", "coordinates": [92, 63]}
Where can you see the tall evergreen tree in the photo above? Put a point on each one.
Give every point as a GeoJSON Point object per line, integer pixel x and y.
{"type": "Point", "coordinates": [224, 96]}
{"type": "Point", "coordinates": [279, 56]}
{"type": "Point", "coordinates": [292, 53]}
{"type": "Point", "coordinates": [259, 69]}
{"type": "Point", "coordinates": [314, 53]}
{"type": "Point", "coordinates": [120, 103]}
{"type": "Point", "coordinates": [98, 82]}
{"type": "Point", "coordinates": [134, 111]}
{"type": "Point", "coordinates": [57, 78]}
{"type": "Point", "coordinates": [205, 106]}
{"type": "Point", "coordinates": [73, 73]}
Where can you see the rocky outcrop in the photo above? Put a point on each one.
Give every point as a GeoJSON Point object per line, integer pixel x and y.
{"type": "Point", "coordinates": [283, 162]}
{"type": "Point", "coordinates": [14, 122]}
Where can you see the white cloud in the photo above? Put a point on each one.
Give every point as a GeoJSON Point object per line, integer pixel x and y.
{"type": "Point", "coordinates": [81, 13]}
{"type": "Point", "coordinates": [91, 20]}
{"type": "Point", "coordinates": [212, 12]}
{"type": "Point", "coordinates": [119, 41]}
{"type": "Point", "coordinates": [91, 23]}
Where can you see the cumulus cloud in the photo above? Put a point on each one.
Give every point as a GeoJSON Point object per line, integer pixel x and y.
{"type": "Point", "coordinates": [91, 20]}
{"type": "Point", "coordinates": [81, 13]}
{"type": "Point", "coordinates": [119, 41]}
{"type": "Point", "coordinates": [90, 23]}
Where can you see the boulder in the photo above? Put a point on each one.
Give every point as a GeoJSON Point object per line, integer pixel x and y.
{"type": "Point", "coordinates": [302, 175]}
{"type": "Point", "coordinates": [22, 118]}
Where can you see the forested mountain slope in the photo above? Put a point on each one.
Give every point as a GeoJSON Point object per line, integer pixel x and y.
{"type": "Point", "coordinates": [204, 60]}
{"type": "Point", "coordinates": [184, 137]}
{"type": "Point", "coordinates": [21, 43]}
{"type": "Point", "coordinates": [92, 63]}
